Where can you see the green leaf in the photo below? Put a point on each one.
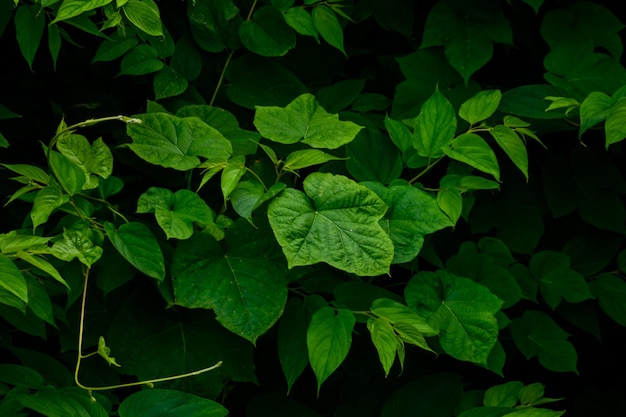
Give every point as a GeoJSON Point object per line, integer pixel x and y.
{"type": "Point", "coordinates": [291, 341]}
{"type": "Point", "coordinates": [327, 24]}
{"type": "Point", "coordinates": [168, 83]}
{"type": "Point", "coordinates": [250, 195]}
{"type": "Point", "coordinates": [512, 145]}
{"type": "Point", "coordinates": [461, 309]}
{"type": "Point", "coordinates": [73, 8]}
{"type": "Point", "coordinates": [557, 280]}
{"type": "Point", "coordinates": [137, 245]}
{"type": "Point", "coordinates": [301, 21]}
{"type": "Point", "coordinates": [29, 25]}
{"type": "Point", "coordinates": [246, 290]}
{"type": "Point", "coordinates": [373, 157]}
{"type": "Point", "coordinates": [614, 127]}
{"type": "Point", "coordinates": [29, 171]}
{"type": "Point", "coordinates": [142, 59]}
{"type": "Point", "coordinates": [174, 142]}
{"type": "Point", "coordinates": [104, 351]}
{"type": "Point", "coordinates": [267, 34]}
{"type": "Point", "coordinates": [305, 158]}
{"type": "Point", "coordinates": [435, 126]}
{"type": "Point", "coordinates": [95, 160]}
{"type": "Point", "coordinates": [12, 280]}
{"type": "Point", "coordinates": [594, 109]}
{"type": "Point", "coordinates": [186, 60]}
{"type": "Point", "coordinates": [503, 395]}
{"type": "Point", "coordinates": [145, 15]}
{"type": "Point", "coordinates": [169, 403]}
{"type": "Point", "coordinates": [336, 222]}
{"type": "Point", "coordinates": [481, 106]}
{"type": "Point", "coordinates": [471, 149]}
{"type": "Point", "coordinates": [610, 291]}
{"type": "Point", "coordinates": [536, 334]}
{"type": "Point", "coordinates": [412, 214]}
{"type": "Point", "coordinates": [42, 264]}
{"type": "Point", "coordinates": [232, 173]}
{"type": "Point", "coordinates": [304, 120]}
{"type": "Point", "coordinates": [114, 47]}
{"type": "Point", "coordinates": [175, 212]}
{"type": "Point", "coordinates": [46, 201]}
{"type": "Point", "coordinates": [69, 174]}
{"type": "Point", "coordinates": [76, 244]}
{"type": "Point", "coordinates": [214, 24]}
{"type": "Point", "coordinates": [384, 340]}
{"type": "Point", "coordinates": [54, 44]}
{"type": "Point", "coordinates": [328, 339]}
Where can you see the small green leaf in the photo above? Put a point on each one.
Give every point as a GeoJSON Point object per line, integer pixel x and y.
{"type": "Point", "coordinates": [301, 21]}
{"type": "Point", "coordinates": [304, 120]}
{"type": "Point", "coordinates": [54, 44]}
{"type": "Point", "coordinates": [167, 83]}
{"type": "Point", "coordinates": [292, 348]}
{"type": "Point", "coordinates": [69, 175]}
{"type": "Point", "coordinates": [29, 25]}
{"type": "Point", "coordinates": [41, 263]}
{"type": "Point", "coordinates": [306, 158]}
{"type": "Point", "coordinates": [73, 8]}
{"type": "Point", "coordinates": [512, 145]}
{"type": "Point", "coordinates": [481, 106]}
{"type": "Point", "coordinates": [594, 109]}
{"type": "Point", "coordinates": [435, 126]}
{"type": "Point", "coordinates": [329, 337]}
{"type": "Point", "coordinates": [336, 222]}
{"type": "Point", "coordinates": [104, 351]}
{"type": "Point", "coordinates": [142, 59]}
{"type": "Point", "coordinates": [471, 149]}
{"type": "Point", "coordinates": [94, 160]}
{"type": "Point", "coordinates": [175, 212]}
{"type": "Point", "coordinates": [114, 47]}
{"type": "Point", "coordinates": [610, 291]}
{"type": "Point", "coordinates": [615, 125]}
{"type": "Point", "coordinates": [46, 201]}
{"type": "Point", "coordinates": [29, 171]}
{"type": "Point", "coordinates": [250, 195]}
{"type": "Point", "coordinates": [214, 24]}
{"type": "Point", "coordinates": [145, 15]}
{"type": "Point", "coordinates": [231, 174]}
{"type": "Point", "coordinates": [76, 243]}
{"type": "Point", "coordinates": [327, 24]}
{"type": "Point", "coordinates": [12, 280]}
{"type": "Point", "coordinates": [170, 403]}
{"type": "Point", "coordinates": [137, 245]}
{"type": "Point", "coordinates": [267, 34]}
{"type": "Point", "coordinates": [384, 340]}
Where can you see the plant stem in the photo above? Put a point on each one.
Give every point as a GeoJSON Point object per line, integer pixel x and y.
{"type": "Point", "coordinates": [425, 170]}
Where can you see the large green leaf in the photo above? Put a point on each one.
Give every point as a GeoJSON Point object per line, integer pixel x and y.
{"type": "Point", "coordinates": [169, 403]}
{"type": "Point", "coordinates": [69, 175]}
{"type": "Point", "coordinates": [336, 222]}
{"type": "Point", "coordinates": [267, 34]}
{"type": "Point", "coordinates": [304, 120]}
{"type": "Point", "coordinates": [246, 290]}
{"type": "Point", "coordinates": [145, 15]}
{"type": "Point", "coordinates": [536, 334]}
{"type": "Point", "coordinates": [412, 214]}
{"type": "Point", "coordinates": [178, 143]}
{"type": "Point", "coordinates": [12, 280]}
{"type": "Point", "coordinates": [329, 337]}
{"type": "Point", "coordinates": [175, 212]}
{"type": "Point", "coordinates": [461, 309]}
{"type": "Point", "coordinates": [136, 243]}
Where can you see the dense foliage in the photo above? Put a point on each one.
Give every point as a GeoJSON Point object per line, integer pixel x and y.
{"type": "Point", "coordinates": [312, 208]}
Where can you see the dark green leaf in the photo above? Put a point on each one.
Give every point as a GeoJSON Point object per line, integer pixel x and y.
{"type": "Point", "coordinates": [12, 280]}
{"type": "Point", "coordinates": [142, 59]}
{"type": "Point", "coordinates": [137, 245]}
{"type": "Point", "coordinates": [29, 25]}
{"type": "Point", "coordinates": [267, 34]}
{"type": "Point", "coordinates": [214, 24]}
{"type": "Point", "coordinates": [474, 151]}
{"type": "Point", "coordinates": [328, 26]}
{"type": "Point", "coordinates": [373, 157]}
{"type": "Point", "coordinates": [292, 346]}
{"type": "Point", "coordinates": [169, 403]}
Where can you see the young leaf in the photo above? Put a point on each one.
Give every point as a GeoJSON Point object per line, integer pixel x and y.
{"type": "Point", "coordinates": [435, 126]}
{"type": "Point", "coordinates": [385, 341]}
{"type": "Point", "coordinates": [54, 44]}
{"type": "Point", "coordinates": [481, 106]}
{"type": "Point", "coordinates": [231, 174]}
{"type": "Point", "coordinates": [327, 24]}
{"type": "Point", "coordinates": [12, 280]}
{"type": "Point", "coordinates": [329, 337]}
{"type": "Point", "coordinates": [29, 171]}
{"type": "Point", "coordinates": [336, 222]}
{"type": "Point", "coordinates": [145, 15]}
{"type": "Point", "coordinates": [174, 142]}
{"type": "Point", "coordinates": [512, 145]}
{"type": "Point", "coordinates": [114, 47]}
{"type": "Point", "coordinates": [29, 25]}
{"type": "Point", "coordinates": [73, 8]}
{"type": "Point", "coordinates": [137, 245]}
{"type": "Point", "coordinates": [175, 212]}
{"type": "Point", "coordinates": [474, 151]}
{"type": "Point", "coordinates": [306, 158]}
{"type": "Point", "coordinates": [104, 351]}
{"type": "Point", "coordinates": [169, 403]}
{"type": "Point", "coordinates": [304, 120]}
{"type": "Point", "coordinates": [267, 34]}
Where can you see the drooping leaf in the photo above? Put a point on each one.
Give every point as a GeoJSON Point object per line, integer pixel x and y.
{"type": "Point", "coordinates": [246, 290]}
{"type": "Point", "coordinates": [267, 34]}
{"type": "Point", "coordinates": [301, 21]}
{"type": "Point", "coordinates": [250, 195]}
{"type": "Point", "coordinates": [614, 126]}
{"type": "Point", "coordinates": [12, 280]}
{"type": "Point", "coordinates": [328, 26]}
{"type": "Point", "coordinates": [168, 83]}
{"type": "Point", "coordinates": [461, 309]}
{"type": "Point", "coordinates": [385, 341]}
{"type": "Point", "coordinates": [329, 337]}
{"type": "Point", "coordinates": [137, 245]}
{"type": "Point", "coordinates": [304, 120]}
{"type": "Point", "coordinates": [29, 25]}
{"type": "Point", "coordinates": [512, 145]}
{"type": "Point", "coordinates": [292, 346]}
{"type": "Point", "coordinates": [481, 106]}
{"type": "Point", "coordinates": [178, 143]}
{"type": "Point", "coordinates": [177, 212]}
{"type": "Point", "coordinates": [46, 201]}
{"type": "Point", "coordinates": [62, 402]}
{"type": "Point", "coordinates": [231, 174]}
{"type": "Point", "coordinates": [169, 403]}
{"type": "Point", "coordinates": [594, 109]}
{"type": "Point", "coordinates": [611, 293]}
{"type": "Point", "coordinates": [334, 221]}
{"type": "Point", "coordinates": [471, 149]}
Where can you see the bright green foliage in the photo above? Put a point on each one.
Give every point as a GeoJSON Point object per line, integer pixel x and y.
{"type": "Point", "coordinates": [363, 194]}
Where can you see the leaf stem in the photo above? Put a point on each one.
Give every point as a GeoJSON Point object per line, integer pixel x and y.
{"type": "Point", "coordinates": [425, 170]}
